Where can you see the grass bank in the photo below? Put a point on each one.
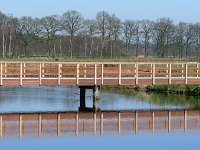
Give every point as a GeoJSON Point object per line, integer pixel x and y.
{"type": "Point", "coordinates": [191, 90]}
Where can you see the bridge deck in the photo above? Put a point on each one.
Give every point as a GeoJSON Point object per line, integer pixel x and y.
{"type": "Point", "coordinates": [68, 124]}
{"type": "Point", "coordinates": [97, 73]}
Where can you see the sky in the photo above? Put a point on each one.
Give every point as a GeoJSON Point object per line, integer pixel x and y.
{"type": "Point", "coordinates": [177, 10]}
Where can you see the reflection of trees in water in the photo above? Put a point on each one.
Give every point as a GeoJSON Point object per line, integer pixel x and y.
{"type": "Point", "coordinates": [176, 100]}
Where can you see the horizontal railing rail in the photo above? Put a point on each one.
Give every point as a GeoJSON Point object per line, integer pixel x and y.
{"type": "Point", "coordinates": [97, 73]}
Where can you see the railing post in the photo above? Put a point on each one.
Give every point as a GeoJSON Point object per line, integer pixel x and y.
{"type": "Point", "coordinates": [182, 66]}
{"type": "Point", "coordinates": [151, 69]}
{"type": "Point", "coordinates": [42, 70]}
{"type": "Point", "coordinates": [85, 71]}
{"type": "Point", "coordinates": [40, 74]}
{"type": "Point", "coordinates": [185, 120]}
{"type": "Point", "coordinates": [169, 121]}
{"type": "Point", "coordinates": [136, 78]}
{"type": "Point", "coordinates": [95, 74]}
{"type": "Point", "coordinates": [5, 70]}
{"type": "Point", "coordinates": [167, 70]}
{"type": "Point", "coordinates": [153, 118]}
{"type": "Point", "coordinates": [24, 70]}
{"type": "Point", "coordinates": [1, 75]}
{"type": "Point", "coordinates": [77, 74]}
{"type": "Point", "coordinates": [119, 122]}
{"type": "Point", "coordinates": [1, 126]}
{"type": "Point", "coordinates": [186, 74]}
{"type": "Point", "coordinates": [40, 125]}
{"type": "Point", "coordinates": [59, 72]}
{"type": "Point", "coordinates": [21, 72]}
{"type": "Point", "coordinates": [58, 124]}
{"type": "Point", "coordinates": [95, 122]}
{"type": "Point", "coordinates": [170, 73]}
{"type": "Point", "coordinates": [20, 126]}
{"type": "Point", "coordinates": [154, 73]}
{"type": "Point", "coordinates": [76, 124]}
{"type": "Point", "coordinates": [120, 74]}
{"type": "Point", "coordinates": [101, 123]}
{"type": "Point", "coordinates": [136, 122]}
{"type": "Point", "coordinates": [102, 67]}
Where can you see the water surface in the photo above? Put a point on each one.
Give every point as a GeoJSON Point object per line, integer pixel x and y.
{"type": "Point", "coordinates": [34, 99]}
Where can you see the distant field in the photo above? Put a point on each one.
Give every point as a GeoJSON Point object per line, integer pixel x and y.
{"type": "Point", "coordinates": [101, 59]}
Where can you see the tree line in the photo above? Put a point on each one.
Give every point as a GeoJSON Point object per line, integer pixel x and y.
{"type": "Point", "coordinates": [71, 35]}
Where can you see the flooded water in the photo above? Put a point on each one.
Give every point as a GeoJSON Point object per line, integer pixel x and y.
{"type": "Point", "coordinates": [181, 129]}
{"type": "Point", "coordinates": [42, 99]}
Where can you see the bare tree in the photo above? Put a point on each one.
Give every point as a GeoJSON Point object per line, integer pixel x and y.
{"type": "Point", "coordinates": [163, 30]}
{"type": "Point", "coordinates": [128, 32]}
{"type": "Point", "coordinates": [50, 26]}
{"type": "Point", "coordinates": [91, 31]}
{"type": "Point", "coordinates": [72, 22]}
{"type": "Point", "coordinates": [102, 26]}
{"type": "Point", "coordinates": [147, 28]}
{"type": "Point", "coordinates": [114, 31]}
{"type": "Point", "coordinates": [189, 38]}
{"type": "Point", "coordinates": [197, 39]}
{"type": "Point", "coordinates": [3, 26]}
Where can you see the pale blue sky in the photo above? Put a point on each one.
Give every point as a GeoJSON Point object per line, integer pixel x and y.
{"type": "Point", "coordinates": [178, 10]}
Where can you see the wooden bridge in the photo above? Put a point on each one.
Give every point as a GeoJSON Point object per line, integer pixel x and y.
{"type": "Point", "coordinates": [74, 124]}
{"type": "Point", "coordinates": [97, 73]}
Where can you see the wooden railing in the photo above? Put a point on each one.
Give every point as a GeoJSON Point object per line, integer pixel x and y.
{"type": "Point", "coordinates": [69, 124]}
{"type": "Point", "coordinates": [97, 73]}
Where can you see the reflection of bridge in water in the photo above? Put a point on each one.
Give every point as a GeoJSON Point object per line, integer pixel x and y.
{"type": "Point", "coordinates": [126, 122]}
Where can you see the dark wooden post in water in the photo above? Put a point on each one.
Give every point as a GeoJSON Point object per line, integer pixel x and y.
{"type": "Point", "coordinates": [82, 99]}
{"type": "Point", "coordinates": [96, 98]}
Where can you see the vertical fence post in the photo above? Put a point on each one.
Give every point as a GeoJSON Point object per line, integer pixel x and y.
{"type": "Point", "coordinates": [136, 77]}
{"type": "Point", "coordinates": [151, 70]}
{"type": "Point", "coordinates": [167, 70]}
{"type": "Point", "coordinates": [40, 74]}
{"type": "Point", "coordinates": [102, 67]}
{"type": "Point", "coordinates": [197, 70]}
{"type": "Point", "coordinates": [40, 125]}
{"type": "Point", "coordinates": [59, 72]}
{"type": "Point", "coordinates": [1, 126]}
{"type": "Point", "coordinates": [170, 74]}
{"type": "Point", "coordinates": [154, 73]}
{"type": "Point", "coordinates": [58, 124]}
{"type": "Point", "coordinates": [5, 70]}
{"type": "Point", "coordinates": [119, 122]}
{"type": "Point", "coordinates": [76, 124]}
{"type": "Point", "coordinates": [136, 122]}
{"type": "Point", "coordinates": [186, 74]}
{"type": "Point", "coordinates": [42, 70]}
{"type": "Point", "coordinates": [182, 66]}
{"type": "Point", "coordinates": [169, 121]}
{"type": "Point", "coordinates": [101, 123]}
{"type": "Point", "coordinates": [95, 123]}
{"type": "Point", "coordinates": [85, 71]}
{"type": "Point", "coordinates": [1, 75]}
{"type": "Point", "coordinates": [20, 126]}
{"type": "Point", "coordinates": [95, 74]}
{"type": "Point", "coordinates": [21, 72]}
{"type": "Point", "coordinates": [153, 121]}
{"type": "Point", "coordinates": [24, 70]}
{"type": "Point", "coordinates": [185, 120]}
{"type": "Point", "coordinates": [77, 74]}
{"type": "Point", "coordinates": [120, 74]}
